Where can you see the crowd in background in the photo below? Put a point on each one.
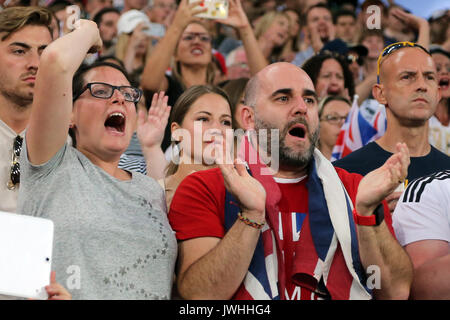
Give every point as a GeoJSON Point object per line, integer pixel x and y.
{"type": "Point", "coordinates": [291, 31]}
{"type": "Point", "coordinates": [191, 69]}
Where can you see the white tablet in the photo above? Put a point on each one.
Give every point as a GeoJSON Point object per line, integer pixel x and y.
{"type": "Point", "coordinates": [25, 255]}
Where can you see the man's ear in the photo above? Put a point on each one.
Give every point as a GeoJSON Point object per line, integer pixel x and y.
{"type": "Point", "coordinates": [378, 93]}
{"type": "Point", "coordinates": [247, 116]}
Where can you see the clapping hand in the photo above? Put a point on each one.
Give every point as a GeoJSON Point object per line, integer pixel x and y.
{"type": "Point", "coordinates": [246, 189]}
{"type": "Point", "coordinates": [380, 183]}
{"type": "Point", "coordinates": [151, 128]}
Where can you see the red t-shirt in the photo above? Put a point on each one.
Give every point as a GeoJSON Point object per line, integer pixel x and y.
{"type": "Point", "coordinates": [198, 208]}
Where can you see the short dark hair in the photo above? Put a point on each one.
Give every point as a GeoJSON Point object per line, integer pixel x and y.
{"type": "Point", "coordinates": [78, 78]}
{"type": "Point", "coordinates": [15, 18]}
{"type": "Point", "coordinates": [313, 65]}
{"type": "Point", "coordinates": [319, 5]}
{"type": "Point", "coordinates": [379, 3]}
{"type": "Point", "coordinates": [59, 5]}
{"type": "Point", "coordinates": [235, 88]}
{"type": "Point", "coordinates": [370, 33]}
{"type": "Point", "coordinates": [343, 13]}
{"type": "Point", "coordinates": [328, 99]}
{"type": "Point", "coordinates": [78, 83]}
{"type": "Point", "coordinates": [98, 17]}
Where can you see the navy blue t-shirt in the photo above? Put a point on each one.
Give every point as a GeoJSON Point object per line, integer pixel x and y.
{"type": "Point", "coordinates": [372, 156]}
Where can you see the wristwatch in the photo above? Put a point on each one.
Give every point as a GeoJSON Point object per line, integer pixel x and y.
{"type": "Point", "coordinates": [373, 220]}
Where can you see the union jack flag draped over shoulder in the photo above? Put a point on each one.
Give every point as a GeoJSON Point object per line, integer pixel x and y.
{"type": "Point", "coordinates": [326, 257]}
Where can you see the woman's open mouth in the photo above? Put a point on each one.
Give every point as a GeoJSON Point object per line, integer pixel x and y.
{"type": "Point", "coordinates": [115, 122]}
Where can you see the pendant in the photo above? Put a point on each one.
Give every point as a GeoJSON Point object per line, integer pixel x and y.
{"type": "Point", "coordinates": [10, 185]}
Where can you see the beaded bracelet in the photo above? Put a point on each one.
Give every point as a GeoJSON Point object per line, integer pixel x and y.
{"type": "Point", "coordinates": [249, 222]}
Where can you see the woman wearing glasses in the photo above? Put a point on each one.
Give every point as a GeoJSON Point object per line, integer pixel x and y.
{"type": "Point", "coordinates": [187, 43]}
{"type": "Point", "coordinates": [112, 239]}
{"type": "Point", "coordinates": [333, 111]}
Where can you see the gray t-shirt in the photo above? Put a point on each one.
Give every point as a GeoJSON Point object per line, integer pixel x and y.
{"type": "Point", "coordinates": [112, 238]}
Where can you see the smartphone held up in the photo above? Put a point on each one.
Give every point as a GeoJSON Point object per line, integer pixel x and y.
{"type": "Point", "coordinates": [217, 9]}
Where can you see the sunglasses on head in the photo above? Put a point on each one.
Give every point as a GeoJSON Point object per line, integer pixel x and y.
{"type": "Point", "coordinates": [394, 47]}
{"type": "Point", "coordinates": [14, 178]}
{"type": "Point", "coordinates": [355, 58]}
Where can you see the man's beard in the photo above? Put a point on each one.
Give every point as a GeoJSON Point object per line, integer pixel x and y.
{"type": "Point", "coordinates": [287, 156]}
{"type": "Point", "coordinates": [21, 100]}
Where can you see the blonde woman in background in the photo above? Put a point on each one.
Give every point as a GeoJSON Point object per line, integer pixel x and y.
{"type": "Point", "coordinates": [186, 47]}
{"type": "Point", "coordinates": [272, 33]}
{"type": "Point", "coordinates": [133, 43]}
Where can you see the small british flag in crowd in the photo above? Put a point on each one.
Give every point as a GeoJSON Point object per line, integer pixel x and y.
{"type": "Point", "coordinates": [357, 131]}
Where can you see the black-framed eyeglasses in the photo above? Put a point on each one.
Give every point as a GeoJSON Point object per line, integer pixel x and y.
{"type": "Point", "coordinates": [354, 58]}
{"type": "Point", "coordinates": [14, 178]}
{"type": "Point", "coordinates": [105, 91]}
{"type": "Point", "coordinates": [333, 119]}
{"type": "Point", "coordinates": [392, 48]}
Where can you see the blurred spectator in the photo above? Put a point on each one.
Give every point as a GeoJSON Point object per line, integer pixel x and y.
{"type": "Point", "coordinates": [134, 4]}
{"type": "Point", "coordinates": [333, 111]}
{"type": "Point", "coordinates": [186, 47]}
{"type": "Point", "coordinates": [422, 225]}
{"type": "Point", "coordinates": [330, 75]}
{"type": "Point", "coordinates": [272, 33]}
{"type": "Point", "coordinates": [396, 28]}
{"type": "Point", "coordinates": [161, 11]}
{"type": "Point", "coordinates": [106, 20]}
{"type": "Point", "coordinates": [345, 23]}
{"type": "Point", "coordinates": [355, 59]}
{"type": "Point", "coordinates": [373, 40]}
{"type": "Point", "coordinates": [318, 30]}
{"type": "Point", "coordinates": [442, 60]}
{"type": "Point", "coordinates": [292, 45]}
{"type": "Point", "coordinates": [305, 5]}
{"type": "Point", "coordinates": [58, 7]}
{"type": "Point", "coordinates": [439, 26]}
{"type": "Point", "coordinates": [419, 27]}
{"type": "Point", "coordinates": [94, 6]}
{"type": "Point", "coordinates": [56, 27]}
{"type": "Point", "coordinates": [366, 14]}
{"type": "Point", "coordinates": [235, 89]}
{"type": "Point", "coordinates": [346, 5]}
{"type": "Point", "coordinates": [266, 5]}
{"type": "Point", "coordinates": [440, 122]}
{"type": "Point", "coordinates": [133, 43]}
{"type": "Point", "coordinates": [220, 67]}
